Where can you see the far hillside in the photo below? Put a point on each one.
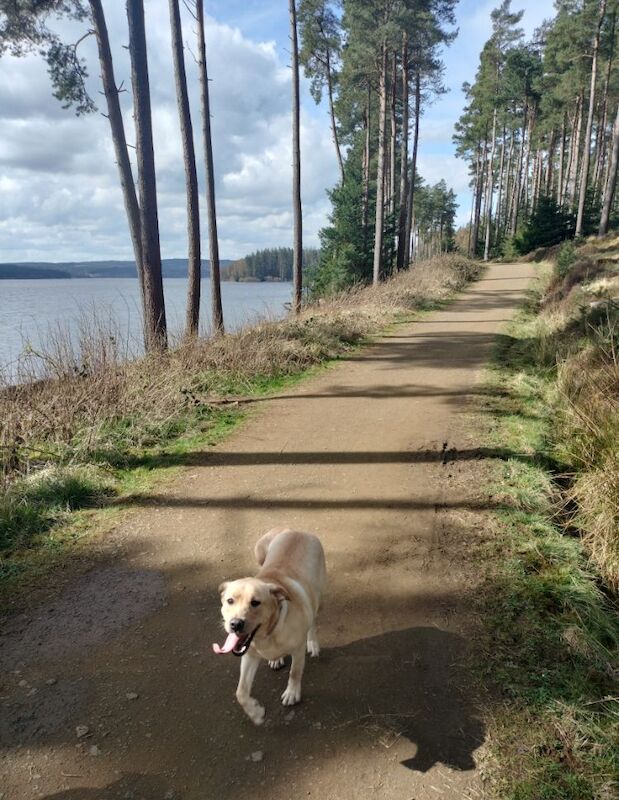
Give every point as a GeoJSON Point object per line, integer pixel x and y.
{"type": "Point", "coordinates": [270, 264]}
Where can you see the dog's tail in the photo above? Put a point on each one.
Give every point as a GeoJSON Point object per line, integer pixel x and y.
{"type": "Point", "coordinates": [262, 545]}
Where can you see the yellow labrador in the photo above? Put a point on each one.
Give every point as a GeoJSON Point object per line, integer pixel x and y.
{"type": "Point", "coordinates": [274, 614]}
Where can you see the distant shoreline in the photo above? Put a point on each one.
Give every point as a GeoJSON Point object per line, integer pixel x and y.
{"type": "Point", "coordinates": [60, 276]}
{"type": "Point", "coordinates": [33, 270]}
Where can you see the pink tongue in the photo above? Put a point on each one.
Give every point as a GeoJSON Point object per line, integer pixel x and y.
{"type": "Point", "coordinates": [229, 645]}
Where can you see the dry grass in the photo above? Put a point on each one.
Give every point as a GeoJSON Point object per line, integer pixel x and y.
{"type": "Point", "coordinates": [576, 337]}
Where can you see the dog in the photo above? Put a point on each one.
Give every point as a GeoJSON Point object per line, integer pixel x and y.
{"type": "Point", "coordinates": [273, 614]}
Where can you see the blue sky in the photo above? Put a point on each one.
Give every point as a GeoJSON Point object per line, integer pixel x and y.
{"type": "Point", "coordinates": [59, 193]}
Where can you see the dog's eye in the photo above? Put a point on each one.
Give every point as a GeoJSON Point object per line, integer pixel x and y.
{"type": "Point", "coordinates": [230, 600]}
{"type": "Point", "coordinates": [255, 603]}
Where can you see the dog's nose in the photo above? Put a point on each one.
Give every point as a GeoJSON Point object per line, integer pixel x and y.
{"type": "Point", "coordinates": [237, 625]}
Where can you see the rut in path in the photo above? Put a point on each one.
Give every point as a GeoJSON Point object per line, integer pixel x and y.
{"type": "Point", "coordinates": [372, 455]}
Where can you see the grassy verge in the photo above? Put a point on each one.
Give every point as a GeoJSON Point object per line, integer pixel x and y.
{"type": "Point", "coordinates": [87, 428]}
{"type": "Point", "coordinates": [552, 624]}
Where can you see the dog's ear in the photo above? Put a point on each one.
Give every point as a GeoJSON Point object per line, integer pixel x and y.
{"type": "Point", "coordinates": [278, 592]}
{"type": "Point", "coordinates": [222, 588]}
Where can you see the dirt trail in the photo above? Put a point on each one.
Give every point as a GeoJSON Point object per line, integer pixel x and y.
{"type": "Point", "coordinates": [367, 455]}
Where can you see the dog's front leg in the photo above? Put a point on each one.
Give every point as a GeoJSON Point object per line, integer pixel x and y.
{"type": "Point", "coordinates": [292, 694]}
{"type": "Point", "coordinates": [253, 709]}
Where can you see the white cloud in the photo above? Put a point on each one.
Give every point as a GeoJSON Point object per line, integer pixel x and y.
{"type": "Point", "coordinates": [65, 202]}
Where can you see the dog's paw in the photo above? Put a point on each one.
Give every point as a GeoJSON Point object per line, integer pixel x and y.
{"type": "Point", "coordinates": [255, 712]}
{"type": "Point", "coordinates": [291, 696]}
{"type": "Point", "coordinates": [277, 664]}
{"type": "Point", "coordinates": [313, 648]}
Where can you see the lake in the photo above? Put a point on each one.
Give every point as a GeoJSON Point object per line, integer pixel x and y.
{"type": "Point", "coordinates": [30, 309]}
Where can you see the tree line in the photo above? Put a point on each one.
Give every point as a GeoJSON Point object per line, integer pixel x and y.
{"type": "Point", "coordinates": [378, 64]}
{"type": "Point", "coordinates": [271, 263]}
{"type": "Point", "coordinates": [540, 129]}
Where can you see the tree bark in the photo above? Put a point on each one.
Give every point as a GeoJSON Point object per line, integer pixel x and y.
{"type": "Point", "coordinates": [194, 263]}
{"type": "Point", "coordinates": [490, 190]}
{"type": "Point", "coordinates": [508, 183]}
{"type": "Point", "coordinates": [217, 313]}
{"type": "Point", "coordinates": [499, 198]}
{"type": "Point", "coordinates": [154, 305]}
{"type": "Point", "coordinates": [584, 173]}
{"type": "Point", "coordinates": [365, 202]}
{"type": "Point", "coordinates": [602, 135]}
{"type": "Point", "coordinates": [402, 211]}
{"type": "Point", "coordinates": [380, 175]}
{"type": "Point", "coordinates": [336, 140]}
{"type": "Point", "coordinates": [410, 204]}
{"type": "Point", "coordinates": [479, 195]}
{"type": "Point", "coordinates": [560, 188]}
{"type": "Point", "coordinates": [611, 182]}
{"type": "Point", "coordinates": [574, 152]}
{"type": "Point", "coordinates": [549, 167]}
{"type": "Point", "coordinates": [515, 201]}
{"type": "Point", "coordinates": [115, 117]}
{"type": "Point", "coordinates": [296, 165]}
{"type": "Point", "coordinates": [394, 137]}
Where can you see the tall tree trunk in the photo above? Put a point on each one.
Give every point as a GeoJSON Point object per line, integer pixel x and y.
{"type": "Point", "coordinates": [480, 194]}
{"type": "Point", "coordinates": [115, 117]}
{"type": "Point", "coordinates": [515, 202]}
{"type": "Point", "coordinates": [402, 211]}
{"type": "Point", "coordinates": [549, 167]}
{"type": "Point", "coordinates": [574, 152]}
{"type": "Point", "coordinates": [154, 304]}
{"type": "Point", "coordinates": [380, 176]}
{"type": "Point", "coordinates": [472, 229]}
{"type": "Point", "coordinates": [508, 183]}
{"type": "Point", "coordinates": [365, 202]}
{"type": "Point", "coordinates": [611, 182]}
{"type": "Point", "coordinates": [410, 204]}
{"type": "Point", "coordinates": [560, 187]}
{"type": "Point", "coordinates": [297, 259]}
{"type": "Point", "coordinates": [217, 314]}
{"type": "Point", "coordinates": [336, 139]}
{"type": "Point", "coordinates": [527, 161]}
{"type": "Point", "coordinates": [394, 136]}
{"type": "Point", "coordinates": [535, 179]}
{"type": "Point", "coordinates": [499, 199]}
{"type": "Point", "coordinates": [601, 155]}
{"type": "Point", "coordinates": [584, 173]}
{"type": "Point", "coordinates": [490, 190]}
{"type": "Point", "coordinates": [191, 175]}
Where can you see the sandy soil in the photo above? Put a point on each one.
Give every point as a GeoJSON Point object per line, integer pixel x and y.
{"type": "Point", "coordinates": [110, 690]}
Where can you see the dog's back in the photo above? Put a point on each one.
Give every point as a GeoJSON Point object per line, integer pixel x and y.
{"type": "Point", "coordinates": [286, 554]}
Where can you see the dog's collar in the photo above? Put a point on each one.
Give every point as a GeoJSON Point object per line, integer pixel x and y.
{"type": "Point", "coordinates": [282, 609]}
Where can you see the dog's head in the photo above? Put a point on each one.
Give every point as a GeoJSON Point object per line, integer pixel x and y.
{"type": "Point", "coordinates": [247, 605]}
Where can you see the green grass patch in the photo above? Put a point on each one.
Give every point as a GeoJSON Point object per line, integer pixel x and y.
{"type": "Point", "coordinates": [551, 651]}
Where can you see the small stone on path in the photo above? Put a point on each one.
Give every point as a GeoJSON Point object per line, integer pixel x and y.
{"type": "Point", "coordinates": [257, 756]}
{"type": "Point", "coordinates": [81, 731]}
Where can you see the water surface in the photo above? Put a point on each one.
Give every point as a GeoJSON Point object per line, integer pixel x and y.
{"type": "Point", "coordinates": [32, 309]}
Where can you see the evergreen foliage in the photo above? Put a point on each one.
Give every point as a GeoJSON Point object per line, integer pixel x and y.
{"type": "Point", "coordinates": [270, 264]}
{"type": "Point", "coordinates": [549, 224]}
{"type": "Point", "coordinates": [537, 128]}
{"type": "Point", "coordinates": [375, 60]}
